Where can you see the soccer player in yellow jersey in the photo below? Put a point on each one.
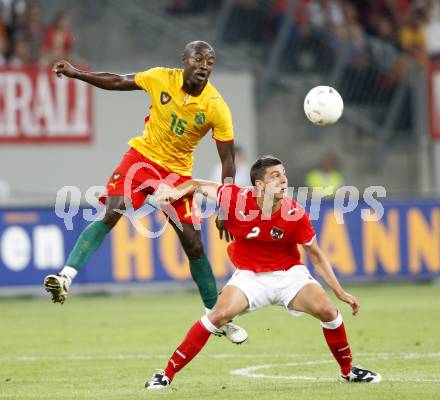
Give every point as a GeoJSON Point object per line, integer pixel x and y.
{"type": "Point", "coordinates": [184, 107]}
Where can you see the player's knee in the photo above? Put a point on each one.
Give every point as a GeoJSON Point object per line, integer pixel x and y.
{"type": "Point", "coordinates": [114, 211]}
{"type": "Point", "coordinates": [220, 317]}
{"type": "Point", "coordinates": [194, 249]}
{"type": "Point", "coordinates": [116, 204]}
{"type": "Point", "coordinates": [327, 312]}
{"type": "Point", "coordinates": [110, 219]}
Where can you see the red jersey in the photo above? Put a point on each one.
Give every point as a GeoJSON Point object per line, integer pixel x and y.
{"type": "Point", "coordinates": [263, 243]}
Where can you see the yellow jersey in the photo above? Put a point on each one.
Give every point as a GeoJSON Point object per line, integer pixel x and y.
{"type": "Point", "coordinates": [178, 121]}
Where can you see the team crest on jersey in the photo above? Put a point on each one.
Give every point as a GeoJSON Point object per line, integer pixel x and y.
{"type": "Point", "coordinates": [116, 176]}
{"type": "Point", "coordinates": [164, 98]}
{"type": "Point", "coordinates": [200, 118]}
{"type": "Point", "coordinates": [276, 233]}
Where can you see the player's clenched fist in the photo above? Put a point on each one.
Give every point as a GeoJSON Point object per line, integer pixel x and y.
{"type": "Point", "coordinates": [63, 67]}
{"type": "Point", "coordinates": [349, 299]}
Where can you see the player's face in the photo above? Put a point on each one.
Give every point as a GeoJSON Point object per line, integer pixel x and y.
{"type": "Point", "coordinates": [198, 65]}
{"type": "Point", "coordinates": [275, 181]}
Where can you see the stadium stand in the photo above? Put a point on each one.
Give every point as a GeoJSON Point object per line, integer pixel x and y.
{"type": "Point", "coordinates": [26, 40]}
{"type": "Point", "coordinates": [373, 52]}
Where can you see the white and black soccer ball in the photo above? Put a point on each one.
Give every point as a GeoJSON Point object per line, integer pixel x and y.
{"type": "Point", "coordinates": [323, 105]}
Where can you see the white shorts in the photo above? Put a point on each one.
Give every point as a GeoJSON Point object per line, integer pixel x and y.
{"type": "Point", "coordinates": [272, 288]}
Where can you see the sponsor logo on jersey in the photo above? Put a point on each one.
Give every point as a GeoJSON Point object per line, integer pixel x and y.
{"type": "Point", "coordinates": [116, 176]}
{"type": "Point", "coordinates": [164, 98]}
{"type": "Point", "coordinates": [276, 233]}
{"type": "Point", "coordinates": [200, 118]}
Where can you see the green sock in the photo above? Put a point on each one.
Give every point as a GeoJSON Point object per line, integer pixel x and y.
{"type": "Point", "coordinates": [87, 243]}
{"type": "Point", "coordinates": [201, 272]}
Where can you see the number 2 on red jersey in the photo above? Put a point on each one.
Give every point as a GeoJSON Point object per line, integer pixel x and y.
{"type": "Point", "coordinates": [253, 233]}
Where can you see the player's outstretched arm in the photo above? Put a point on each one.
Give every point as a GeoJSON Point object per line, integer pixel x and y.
{"type": "Point", "coordinates": [167, 194]}
{"type": "Point", "coordinates": [323, 267]}
{"type": "Point", "coordinates": [102, 80]}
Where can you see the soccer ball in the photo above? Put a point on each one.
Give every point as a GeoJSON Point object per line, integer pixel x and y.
{"type": "Point", "coordinates": [323, 105]}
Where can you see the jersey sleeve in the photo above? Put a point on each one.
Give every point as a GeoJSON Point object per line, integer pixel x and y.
{"type": "Point", "coordinates": [222, 127]}
{"type": "Point", "coordinates": [147, 79]}
{"type": "Point", "coordinates": [305, 234]}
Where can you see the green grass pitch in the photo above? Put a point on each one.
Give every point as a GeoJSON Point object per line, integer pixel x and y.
{"type": "Point", "coordinates": [99, 347]}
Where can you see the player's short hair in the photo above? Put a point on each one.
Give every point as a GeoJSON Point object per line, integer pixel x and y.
{"type": "Point", "coordinates": [258, 168]}
{"type": "Point", "coordinates": [197, 44]}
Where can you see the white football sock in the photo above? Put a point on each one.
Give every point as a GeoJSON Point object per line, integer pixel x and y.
{"type": "Point", "coordinates": [209, 325]}
{"type": "Point", "coordinates": [69, 272]}
{"type": "Point", "coordinates": [336, 323]}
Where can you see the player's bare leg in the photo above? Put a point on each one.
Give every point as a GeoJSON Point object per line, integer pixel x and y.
{"type": "Point", "coordinates": [201, 272]}
{"type": "Point", "coordinates": [312, 299]}
{"type": "Point", "coordinates": [231, 302]}
{"type": "Point", "coordinates": [88, 242]}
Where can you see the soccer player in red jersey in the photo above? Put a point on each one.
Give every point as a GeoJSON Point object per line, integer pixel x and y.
{"type": "Point", "coordinates": [184, 107]}
{"type": "Point", "coordinates": [267, 227]}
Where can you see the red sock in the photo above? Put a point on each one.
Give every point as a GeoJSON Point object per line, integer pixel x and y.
{"type": "Point", "coordinates": [194, 341]}
{"type": "Point", "coordinates": [337, 342]}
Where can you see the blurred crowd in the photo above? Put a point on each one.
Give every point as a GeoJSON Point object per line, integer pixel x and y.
{"type": "Point", "coordinates": [26, 40]}
{"type": "Point", "coordinates": [412, 26]}
{"type": "Point", "coordinates": [374, 45]}
{"type": "Point", "coordinates": [409, 25]}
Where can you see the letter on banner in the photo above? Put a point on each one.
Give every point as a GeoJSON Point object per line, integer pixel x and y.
{"type": "Point", "coordinates": [423, 240]}
{"type": "Point", "coordinates": [15, 248]}
{"type": "Point", "coordinates": [36, 106]}
{"type": "Point", "coordinates": [171, 253]}
{"type": "Point", "coordinates": [336, 245]}
{"type": "Point", "coordinates": [48, 247]}
{"type": "Point", "coordinates": [382, 243]}
{"type": "Point", "coordinates": [132, 254]}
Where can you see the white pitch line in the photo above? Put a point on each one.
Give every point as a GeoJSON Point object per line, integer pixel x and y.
{"type": "Point", "coordinates": [85, 357]}
{"type": "Point", "coordinates": [250, 371]}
